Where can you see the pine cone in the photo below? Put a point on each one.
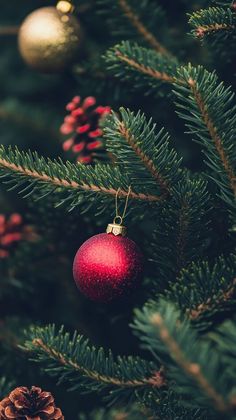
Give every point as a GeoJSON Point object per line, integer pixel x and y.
{"type": "Point", "coordinates": [29, 404]}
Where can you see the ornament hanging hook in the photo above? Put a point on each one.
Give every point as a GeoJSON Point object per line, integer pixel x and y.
{"type": "Point", "coordinates": [118, 218]}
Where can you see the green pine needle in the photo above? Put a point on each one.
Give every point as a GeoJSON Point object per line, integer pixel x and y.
{"type": "Point", "coordinates": [90, 369]}
{"type": "Point", "coordinates": [146, 69]}
{"type": "Point", "coordinates": [192, 365]}
{"type": "Point", "coordinates": [209, 111]}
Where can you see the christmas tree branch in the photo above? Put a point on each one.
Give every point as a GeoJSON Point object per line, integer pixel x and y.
{"type": "Point", "coordinates": [190, 362]}
{"type": "Point", "coordinates": [89, 368]}
{"type": "Point", "coordinates": [213, 132]}
{"type": "Point", "coordinates": [212, 109]}
{"type": "Point", "coordinates": [182, 232]}
{"type": "Point", "coordinates": [143, 67]}
{"type": "Point", "coordinates": [30, 172]}
{"type": "Point", "coordinates": [182, 237]}
{"type": "Point", "coordinates": [132, 140]}
{"type": "Point", "coordinates": [227, 3]}
{"type": "Point", "coordinates": [143, 21]}
{"type": "Point", "coordinates": [212, 21]}
{"type": "Point", "coordinates": [148, 162]}
{"type": "Point", "coordinates": [164, 77]}
{"type": "Point", "coordinates": [143, 152]}
{"type": "Point", "coordinates": [93, 375]}
{"type": "Point", "coordinates": [222, 337]}
{"type": "Point", "coordinates": [192, 369]}
{"type": "Point", "coordinates": [140, 27]}
{"type": "Point", "coordinates": [203, 291]}
{"type": "Point", "coordinates": [208, 109]}
{"type": "Point", "coordinates": [213, 302]}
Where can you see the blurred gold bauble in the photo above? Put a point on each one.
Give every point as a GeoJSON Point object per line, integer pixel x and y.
{"type": "Point", "coordinates": [49, 40]}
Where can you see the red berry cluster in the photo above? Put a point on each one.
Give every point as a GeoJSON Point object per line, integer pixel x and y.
{"type": "Point", "coordinates": [12, 231]}
{"type": "Point", "coordinates": [83, 127]}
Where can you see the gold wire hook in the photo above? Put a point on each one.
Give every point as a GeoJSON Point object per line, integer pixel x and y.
{"type": "Point", "coordinates": [118, 216]}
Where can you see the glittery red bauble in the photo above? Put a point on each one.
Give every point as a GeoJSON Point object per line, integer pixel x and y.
{"type": "Point", "coordinates": [107, 266]}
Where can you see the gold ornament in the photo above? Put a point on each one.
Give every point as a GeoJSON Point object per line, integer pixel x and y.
{"type": "Point", "coordinates": [49, 39]}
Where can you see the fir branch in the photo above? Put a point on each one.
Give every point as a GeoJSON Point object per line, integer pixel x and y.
{"type": "Point", "coordinates": [190, 361]}
{"type": "Point", "coordinates": [141, 151]}
{"type": "Point", "coordinates": [141, 68]}
{"type": "Point", "coordinates": [209, 22]}
{"type": "Point", "coordinates": [222, 338]}
{"type": "Point", "coordinates": [147, 160]}
{"type": "Point", "coordinates": [167, 407]}
{"type": "Point", "coordinates": [84, 366]}
{"type": "Point", "coordinates": [182, 235]}
{"type": "Point", "coordinates": [140, 27]}
{"type": "Point", "coordinates": [213, 133]}
{"type": "Point", "coordinates": [191, 369]}
{"type": "Point", "coordinates": [182, 231]}
{"type": "Point", "coordinates": [131, 20]}
{"type": "Point", "coordinates": [208, 109]}
{"type": "Point", "coordinates": [93, 375]}
{"type": "Point", "coordinates": [225, 296]}
{"type": "Point", "coordinates": [226, 3]}
{"type": "Point", "coordinates": [144, 67]}
{"type": "Point", "coordinates": [30, 172]}
{"type": "Point", "coordinates": [203, 291]}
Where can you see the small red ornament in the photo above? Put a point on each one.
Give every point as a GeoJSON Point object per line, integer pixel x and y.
{"type": "Point", "coordinates": [109, 265]}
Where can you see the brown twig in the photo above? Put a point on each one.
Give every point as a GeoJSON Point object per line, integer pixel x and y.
{"type": "Point", "coordinates": [202, 31]}
{"type": "Point", "coordinates": [159, 75]}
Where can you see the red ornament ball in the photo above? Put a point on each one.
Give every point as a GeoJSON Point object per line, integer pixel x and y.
{"type": "Point", "coordinates": [107, 267]}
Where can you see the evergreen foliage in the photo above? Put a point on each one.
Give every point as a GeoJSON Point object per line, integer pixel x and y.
{"type": "Point", "coordinates": [143, 153]}
{"type": "Point", "coordinates": [181, 205]}
{"type": "Point", "coordinates": [209, 112]}
{"type": "Point", "coordinates": [142, 22]}
{"type": "Point", "coordinates": [203, 292]}
{"type": "Point", "coordinates": [192, 367]}
{"type": "Point", "coordinates": [184, 219]}
{"type": "Point", "coordinates": [83, 366]}
{"type": "Point", "coordinates": [142, 67]}
{"type": "Point", "coordinates": [213, 21]}
{"type": "Point", "coordinates": [216, 26]}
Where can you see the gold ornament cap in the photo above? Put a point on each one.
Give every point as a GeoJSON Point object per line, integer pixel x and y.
{"type": "Point", "coordinates": [65, 6]}
{"type": "Point", "coordinates": [117, 228]}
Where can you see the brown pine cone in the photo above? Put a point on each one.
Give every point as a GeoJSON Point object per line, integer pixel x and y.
{"type": "Point", "coordinates": [29, 404]}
